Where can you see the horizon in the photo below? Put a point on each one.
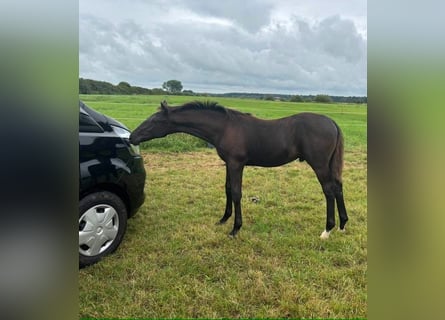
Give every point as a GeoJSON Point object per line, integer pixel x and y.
{"type": "Point", "coordinates": [233, 92]}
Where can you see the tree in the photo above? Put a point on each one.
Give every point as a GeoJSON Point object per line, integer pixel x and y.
{"type": "Point", "coordinates": [172, 86]}
{"type": "Point", "coordinates": [323, 98]}
{"type": "Point", "coordinates": [188, 92]}
{"type": "Point", "coordinates": [124, 87]}
{"type": "Point", "coordinates": [296, 98]}
{"type": "Point", "coordinates": [158, 91]}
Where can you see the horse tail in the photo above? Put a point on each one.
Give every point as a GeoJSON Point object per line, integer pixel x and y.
{"type": "Point", "coordinates": [336, 163]}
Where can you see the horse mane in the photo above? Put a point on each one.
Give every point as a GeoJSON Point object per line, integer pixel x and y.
{"type": "Point", "coordinates": [206, 105]}
{"type": "Point", "coordinates": [203, 105]}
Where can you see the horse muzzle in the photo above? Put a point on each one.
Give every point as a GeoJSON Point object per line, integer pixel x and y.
{"type": "Point", "coordinates": [134, 140]}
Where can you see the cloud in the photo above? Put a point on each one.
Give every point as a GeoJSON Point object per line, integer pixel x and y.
{"type": "Point", "coordinates": [225, 46]}
{"type": "Point", "coordinates": [249, 15]}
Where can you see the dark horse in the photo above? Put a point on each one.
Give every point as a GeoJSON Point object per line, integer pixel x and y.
{"type": "Point", "coordinates": [241, 139]}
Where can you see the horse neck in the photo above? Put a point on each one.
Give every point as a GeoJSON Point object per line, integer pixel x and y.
{"type": "Point", "coordinates": [204, 124]}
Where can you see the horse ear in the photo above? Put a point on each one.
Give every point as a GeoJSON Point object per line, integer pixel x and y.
{"type": "Point", "coordinates": [164, 107]}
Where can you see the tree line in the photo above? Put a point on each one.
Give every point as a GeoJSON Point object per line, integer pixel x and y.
{"type": "Point", "coordinates": [320, 98]}
{"type": "Point", "coordinates": [88, 86]}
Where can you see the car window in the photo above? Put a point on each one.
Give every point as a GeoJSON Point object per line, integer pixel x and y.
{"type": "Point", "coordinates": [87, 124]}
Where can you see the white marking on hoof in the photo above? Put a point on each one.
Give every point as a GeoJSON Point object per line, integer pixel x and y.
{"type": "Point", "coordinates": [342, 230]}
{"type": "Point", "coordinates": [325, 235]}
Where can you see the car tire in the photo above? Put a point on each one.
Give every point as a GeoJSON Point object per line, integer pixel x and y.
{"type": "Point", "coordinates": [102, 225]}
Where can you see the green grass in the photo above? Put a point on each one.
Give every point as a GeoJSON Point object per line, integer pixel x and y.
{"type": "Point", "coordinates": [175, 262]}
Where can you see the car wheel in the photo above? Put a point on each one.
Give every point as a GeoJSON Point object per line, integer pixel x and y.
{"type": "Point", "coordinates": [102, 225]}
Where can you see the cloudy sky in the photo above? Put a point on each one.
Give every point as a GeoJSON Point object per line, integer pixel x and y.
{"type": "Point", "coordinates": [265, 46]}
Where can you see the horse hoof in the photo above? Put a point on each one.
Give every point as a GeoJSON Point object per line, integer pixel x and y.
{"type": "Point", "coordinates": [232, 234]}
{"type": "Point", "coordinates": [325, 235]}
{"type": "Point", "coordinates": [342, 230]}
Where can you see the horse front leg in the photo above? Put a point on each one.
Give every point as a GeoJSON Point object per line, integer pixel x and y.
{"type": "Point", "coordinates": [228, 211]}
{"type": "Point", "coordinates": [235, 176]}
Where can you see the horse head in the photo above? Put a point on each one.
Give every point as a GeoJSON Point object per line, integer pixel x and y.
{"type": "Point", "coordinates": [156, 126]}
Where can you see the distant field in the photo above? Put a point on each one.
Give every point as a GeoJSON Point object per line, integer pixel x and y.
{"type": "Point", "coordinates": [175, 262]}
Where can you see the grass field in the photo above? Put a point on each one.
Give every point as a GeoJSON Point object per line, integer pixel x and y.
{"type": "Point", "coordinates": [176, 263]}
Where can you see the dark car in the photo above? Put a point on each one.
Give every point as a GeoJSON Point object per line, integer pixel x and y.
{"type": "Point", "coordinates": [111, 188]}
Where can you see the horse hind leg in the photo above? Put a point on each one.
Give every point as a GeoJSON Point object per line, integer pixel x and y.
{"type": "Point", "coordinates": [328, 186]}
{"type": "Point", "coordinates": [330, 210]}
{"type": "Point", "coordinates": [333, 191]}
{"type": "Point", "coordinates": [342, 214]}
